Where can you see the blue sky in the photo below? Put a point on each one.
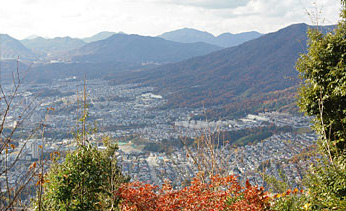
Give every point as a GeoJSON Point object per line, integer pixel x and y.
{"type": "Point", "coordinates": [83, 18]}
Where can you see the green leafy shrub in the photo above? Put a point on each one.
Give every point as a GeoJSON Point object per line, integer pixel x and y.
{"type": "Point", "coordinates": [290, 202]}
{"type": "Point", "coordinates": [323, 95]}
{"type": "Point", "coordinates": [85, 180]}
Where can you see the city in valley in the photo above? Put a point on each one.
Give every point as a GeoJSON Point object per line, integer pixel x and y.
{"type": "Point", "coordinates": [133, 116]}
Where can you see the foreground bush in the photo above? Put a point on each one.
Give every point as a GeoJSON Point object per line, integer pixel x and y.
{"type": "Point", "coordinates": [221, 193]}
{"type": "Point", "coordinates": [85, 180]}
{"type": "Point", "coordinates": [323, 96]}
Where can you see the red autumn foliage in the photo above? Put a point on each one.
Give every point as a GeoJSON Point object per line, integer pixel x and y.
{"type": "Point", "coordinates": [221, 193]}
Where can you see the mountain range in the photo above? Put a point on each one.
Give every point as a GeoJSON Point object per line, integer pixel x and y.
{"type": "Point", "coordinates": [257, 75]}
{"type": "Point", "coordinates": [187, 35]}
{"type": "Point", "coordinates": [186, 43]}
{"type": "Point", "coordinates": [49, 47]}
{"type": "Point", "coordinates": [12, 49]}
{"type": "Point", "coordinates": [139, 49]}
{"type": "Point", "coordinates": [254, 76]}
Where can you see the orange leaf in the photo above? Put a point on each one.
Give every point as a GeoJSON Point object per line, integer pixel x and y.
{"type": "Point", "coordinates": [50, 109]}
{"type": "Point", "coordinates": [33, 165]}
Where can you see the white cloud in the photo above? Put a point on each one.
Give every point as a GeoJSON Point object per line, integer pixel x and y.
{"type": "Point", "coordinates": [80, 18]}
{"type": "Point", "coordinates": [212, 4]}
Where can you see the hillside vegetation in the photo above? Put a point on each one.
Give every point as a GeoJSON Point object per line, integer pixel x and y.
{"type": "Point", "coordinates": [254, 76]}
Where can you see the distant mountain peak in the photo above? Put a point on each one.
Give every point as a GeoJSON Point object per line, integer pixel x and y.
{"type": "Point", "coordinates": [190, 35]}
{"type": "Point", "coordinates": [100, 36]}
{"type": "Point", "coordinates": [139, 49]}
{"type": "Point", "coordinates": [12, 48]}
{"type": "Point", "coordinates": [31, 37]}
{"type": "Point", "coordinates": [53, 46]}
{"type": "Point", "coordinates": [191, 29]}
{"type": "Point", "coordinates": [6, 36]}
